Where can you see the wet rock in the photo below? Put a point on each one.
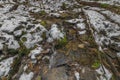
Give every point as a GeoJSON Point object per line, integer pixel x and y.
{"type": "Point", "coordinates": [57, 59]}
{"type": "Point", "coordinates": [56, 74]}
{"type": "Point", "coordinates": [88, 74]}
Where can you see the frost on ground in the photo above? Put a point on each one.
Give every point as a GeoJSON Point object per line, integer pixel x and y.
{"type": "Point", "coordinates": [77, 75]}
{"type": "Point", "coordinates": [41, 31]}
{"type": "Point", "coordinates": [104, 73]}
{"type": "Point", "coordinates": [26, 76]}
{"type": "Point", "coordinates": [35, 52]}
{"type": "Point", "coordinates": [105, 29]}
{"type": "Point", "coordinates": [55, 33]}
{"type": "Point", "coordinates": [5, 66]}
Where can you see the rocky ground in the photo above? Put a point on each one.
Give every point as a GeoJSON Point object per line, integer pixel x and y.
{"type": "Point", "coordinates": [59, 40]}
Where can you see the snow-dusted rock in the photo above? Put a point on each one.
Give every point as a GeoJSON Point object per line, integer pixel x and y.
{"type": "Point", "coordinates": [26, 76]}
{"type": "Point", "coordinates": [5, 66]}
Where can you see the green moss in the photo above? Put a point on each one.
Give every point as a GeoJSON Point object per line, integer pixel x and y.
{"type": "Point", "coordinates": [23, 50]}
{"type": "Point", "coordinates": [24, 39]}
{"type": "Point", "coordinates": [12, 51]}
{"type": "Point", "coordinates": [42, 12]}
{"type": "Point", "coordinates": [64, 6]}
{"type": "Point", "coordinates": [44, 35]}
{"type": "Point", "coordinates": [43, 23]}
{"type": "Point", "coordinates": [113, 77]}
{"type": "Point", "coordinates": [96, 64]}
{"type": "Point", "coordinates": [62, 42]}
{"type": "Point", "coordinates": [104, 5]}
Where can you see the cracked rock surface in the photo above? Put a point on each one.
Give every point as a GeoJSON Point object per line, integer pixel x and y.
{"type": "Point", "coordinates": [59, 40]}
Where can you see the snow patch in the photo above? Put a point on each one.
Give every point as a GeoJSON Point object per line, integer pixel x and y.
{"type": "Point", "coordinates": [77, 75]}
{"type": "Point", "coordinates": [8, 40]}
{"type": "Point", "coordinates": [26, 76]}
{"type": "Point", "coordinates": [55, 33]}
{"type": "Point", "coordinates": [104, 29]}
{"type": "Point", "coordinates": [81, 26]}
{"type": "Point", "coordinates": [73, 21]}
{"type": "Point", "coordinates": [35, 52]}
{"type": "Point", "coordinates": [112, 16]}
{"type": "Point", "coordinates": [104, 73]}
{"type": "Point", "coordinates": [118, 54]}
{"type": "Point", "coordinates": [5, 66]}
{"type": "Point", "coordinates": [82, 32]}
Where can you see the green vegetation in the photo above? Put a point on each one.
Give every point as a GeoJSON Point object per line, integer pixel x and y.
{"type": "Point", "coordinates": [43, 23]}
{"type": "Point", "coordinates": [104, 5]}
{"type": "Point", "coordinates": [23, 50]}
{"type": "Point", "coordinates": [64, 6]}
{"type": "Point", "coordinates": [24, 39]}
{"type": "Point", "coordinates": [44, 35]}
{"type": "Point", "coordinates": [61, 42]}
{"type": "Point", "coordinates": [42, 12]}
{"type": "Point", "coordinates": [12, 51]}
{"type": "Point", "coordinates": [20, 51]}
{"type": "Point", "coordinates": [96, 64]}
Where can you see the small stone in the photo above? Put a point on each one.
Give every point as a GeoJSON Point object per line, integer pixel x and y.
{"type": "Point", "coordinates": [39, 57]}
{"type": "Point", "coordinates": [56, 74]}
{"type": "Point", "coordinates": [57, 59]}
{"type": "Point", "coordinates": [81, 46]}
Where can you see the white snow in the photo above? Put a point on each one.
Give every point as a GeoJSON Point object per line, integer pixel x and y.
{"type": "Point", "coordinates": [104, 73]}
{"type": "Point", "coordinates": [35, 52]}
{"type": "Point", "coordinates": [75, 20]}
{"type": "Point", "coordinates": [55, 33]}
{"type": "Point", "coordinates": [96, 8]}
{"type": "Point", "coordinates": [1, 46]}
{"type": "Point", "coordinates": [112, 16]}
{"type": "Point", "coordinates": [5, 66]}
{"type": "Point", "coordinates": [104, 29]}
{"type": "Point", "coordinates": [25, 67]}
{"type": "Point", "coordinates": [9, 25]}
{"type": "Point", "coordinates": [9, 39]}
{"type": "Point", "coordinates": [17, 32]}
{"type": "Point", "coordinates": [118, 54]}
{"type": "Point", "coordinates": [55, 14]}
{"type": "Point", "coordinates": [81, 25]}
{"type": "Point", "coordinates": [82, 32]}
{"type": "Point", "coordinates": [77, 75]}
{"type": "Point", "coordinates": [26, 76]}
{"type": "Point", "coordinates": [77, 10]}
{"type": "Point", "coordinates": [33, 35]}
